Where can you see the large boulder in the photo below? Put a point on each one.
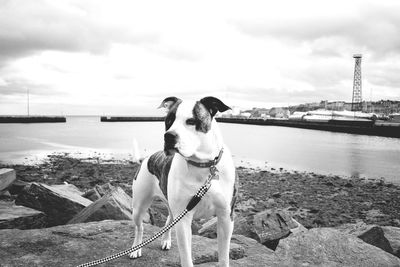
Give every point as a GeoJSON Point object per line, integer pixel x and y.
{"type": "Point", "coordinates": [255, 254]}
{"type": "Point", "coordinates": [372, 234]}
{"type": "Point", "coordinates": [393, 236]}
{"type": "Point", "coordinates": [17, 186]}
{"type": "Point", "coordinates": [68, 188]}
{"type": "Point", "coordinates": [116, 205]}
{"type": "Point", "coordinates": [267, 227]}
{"type": "Point", "coordinates": [330, 247]}
{"type": "Point", "coordinates": [71, 245]}
{"type": "Point", "coordinates": [19, 217]}
{"type": "Point", "coordinates": [74, 244]}
{"type": "Point", "coordinates": [7, 177]}
{"type": "Point", "coordinates": [98, 191]}
{"type": "Point", "coordinates": [59, 205]}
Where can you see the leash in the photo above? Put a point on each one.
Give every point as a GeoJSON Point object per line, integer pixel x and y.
{"type": "Point", "coordinates": [192, 203]}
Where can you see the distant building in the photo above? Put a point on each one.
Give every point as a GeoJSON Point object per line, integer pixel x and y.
{"type": "Point", "coordinates": [384, 107]}
{"type": "Point", "coordinates": [234, 111]}
{"type": "Point", "coordinates": [279, 112]}
{"type": "Point", "coordinates": [245, 114]}
{"type": "Point", "coordinates": [259, 112]}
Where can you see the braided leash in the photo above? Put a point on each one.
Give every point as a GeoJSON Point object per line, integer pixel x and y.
{"type": "Point", "coordinates": [192, 203]}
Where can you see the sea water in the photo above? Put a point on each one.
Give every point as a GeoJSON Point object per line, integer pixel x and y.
{"type": "Point", "coordinates": [264, 146]}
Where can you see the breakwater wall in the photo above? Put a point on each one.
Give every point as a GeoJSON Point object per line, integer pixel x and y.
{"type": "Point", "coordinates": [121, 118]}
{"type": "Point", "coordinates": [354, 127]}
{"type": "Point", "coordinates": [32, 119]}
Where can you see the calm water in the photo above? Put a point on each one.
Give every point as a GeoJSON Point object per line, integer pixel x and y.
{"type": "Point", "coordinates": [269, 146]}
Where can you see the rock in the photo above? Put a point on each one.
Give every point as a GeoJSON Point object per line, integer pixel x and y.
{"type": "Point", "coordinates": [245, 205]}
{"type": "Point", "coordinates": [372, 234]}
{"type": "Point", "coordinates": [17, 186]}
{"type": "Point", "coordinates": [255, 254]}
{"type": "Point", "coordinates": [60, 206]}
{"type": "Point", "coordinates": [5, 194]}
{"type": "Point", "coordinates": [270, 201]}
{"type": "Point", "coordinates": [276, 194]}
{"type": "Point", "coordinates": [116, 205]}
{"type": "Point", "coordinates": [20, 217]}
{"type": "Point", "coordinates": [330, 247]}
{"type": "Point", "coordinates": [74, 244]}
{"type": "Point", "coordinates": [267, 227]}
{"type": "Point", "coordinates": [271, 226]}
{"type": "Point", "coordinates": [348, 185]}
{"type": "Point", "coordinates": [92, 194]}
{"type": "Point", "coordinates": [158, 212]}
{"type": "Point", "coordinates": [68, 187]}
{"type": "Point", "coordinates": [98, 191]}
{"type": "Point", "coordinates": [393, 236]}
{"type": "Point", "coordinates": [299, 229]}
{"type": "Point", "coordinates": [7, 177]}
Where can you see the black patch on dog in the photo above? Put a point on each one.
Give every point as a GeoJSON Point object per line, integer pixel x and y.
{"type": "Point", "coordinates": [234, 195]}
{"type": "Point", "coordinates": [171, 116]}
{"type": "Point", "coordinates": [159, 165]}
{"type": "Point", "coordinates": [202, 117]}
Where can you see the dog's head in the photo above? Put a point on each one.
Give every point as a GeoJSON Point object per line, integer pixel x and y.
{"type": "Point", "coordinates": [190, 126]}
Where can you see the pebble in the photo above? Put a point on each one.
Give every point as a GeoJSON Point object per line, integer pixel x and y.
{"type": "Point", "coordinates": [277, 194]}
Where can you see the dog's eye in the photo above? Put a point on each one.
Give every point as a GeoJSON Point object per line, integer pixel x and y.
{"type": "Point", "coordinates": [190, 122]}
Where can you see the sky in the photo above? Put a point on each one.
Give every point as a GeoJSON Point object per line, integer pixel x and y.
{"type": "Point", "coordinates": [96, 57]}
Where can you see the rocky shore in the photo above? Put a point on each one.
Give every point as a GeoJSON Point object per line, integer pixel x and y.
{"type": "Point", "coordinates": [312, 199]}
{"type": "Point", "coordinates": [339, 213]}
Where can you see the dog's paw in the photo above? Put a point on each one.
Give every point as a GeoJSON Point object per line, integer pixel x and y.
{"type": "Point", "coordinates": [166, 244]}
{"type": "Point", "coordinates": [136, 254]}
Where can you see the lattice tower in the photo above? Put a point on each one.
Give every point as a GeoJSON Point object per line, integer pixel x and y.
{"type": "Point", "coordinates": [357, 85]}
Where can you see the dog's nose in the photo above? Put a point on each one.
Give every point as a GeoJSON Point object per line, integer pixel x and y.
{"type": "Point", "coordinates": [170, 137]}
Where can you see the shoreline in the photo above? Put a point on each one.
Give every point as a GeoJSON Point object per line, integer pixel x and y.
{"type": "Point", "coordinates": [314, 200]}
{"type": "Point", "coordinates": [38, 157]}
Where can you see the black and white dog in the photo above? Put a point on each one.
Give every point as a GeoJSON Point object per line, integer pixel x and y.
{"type": "Point", "coordinates": [193, 133]}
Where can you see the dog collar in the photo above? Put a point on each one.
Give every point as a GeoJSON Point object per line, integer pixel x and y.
{"type": "Point", "coordinates": [207, 164]}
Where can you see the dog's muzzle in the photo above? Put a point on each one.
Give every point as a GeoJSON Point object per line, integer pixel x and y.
{"type": "Point", "coordinates": [170, 140]}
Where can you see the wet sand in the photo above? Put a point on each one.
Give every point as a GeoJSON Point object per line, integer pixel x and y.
{"type": "Point", "coordinates": [314, 200]}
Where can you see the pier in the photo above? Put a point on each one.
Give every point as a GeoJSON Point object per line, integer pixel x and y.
{"type": "Point", "coordinates": [362, 127]}
{"type": "Point", "coordinates": [378, 128]}
{"type": "Point", "coordinates": [32, 119]}
{"type": "Point", "coordinates": [132, 118]}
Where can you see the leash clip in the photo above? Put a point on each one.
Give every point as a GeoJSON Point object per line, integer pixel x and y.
{"type": "Point", "coordinates": [214, 173]}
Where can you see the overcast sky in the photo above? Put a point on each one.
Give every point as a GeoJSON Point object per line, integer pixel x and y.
{"type": "Point", "coordinates": [124, 57]}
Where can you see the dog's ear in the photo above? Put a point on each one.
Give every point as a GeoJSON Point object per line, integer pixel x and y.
{"type": "Point", "coordinates": [213, 105]}
{"type": "Point", "coordinates": [169, 102]}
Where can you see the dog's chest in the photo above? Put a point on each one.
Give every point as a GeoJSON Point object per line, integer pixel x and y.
{"type": "Point", "coordinates": [211, 203]}
{"type": "Point", "coordinates": [216, 200]}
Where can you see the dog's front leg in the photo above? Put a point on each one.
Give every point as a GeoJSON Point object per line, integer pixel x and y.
{"type": "Point", "coordinates": [224, 234]}
{"type": "Point", "coordinates": [184, 238]}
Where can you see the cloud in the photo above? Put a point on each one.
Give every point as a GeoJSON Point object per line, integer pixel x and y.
{"type": "Point", "coordinates": [129, 55]}
{"type": "Point", "coordinates": [3, 82]}
{"type": "Point", "coordinates": [284, 96]}
{"type": "Point", "coordinates": [30, 27]}
{"type": "Point", "coordinates": [369, 27]}
{"type": "Point", "coordinates": [21, 87]}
